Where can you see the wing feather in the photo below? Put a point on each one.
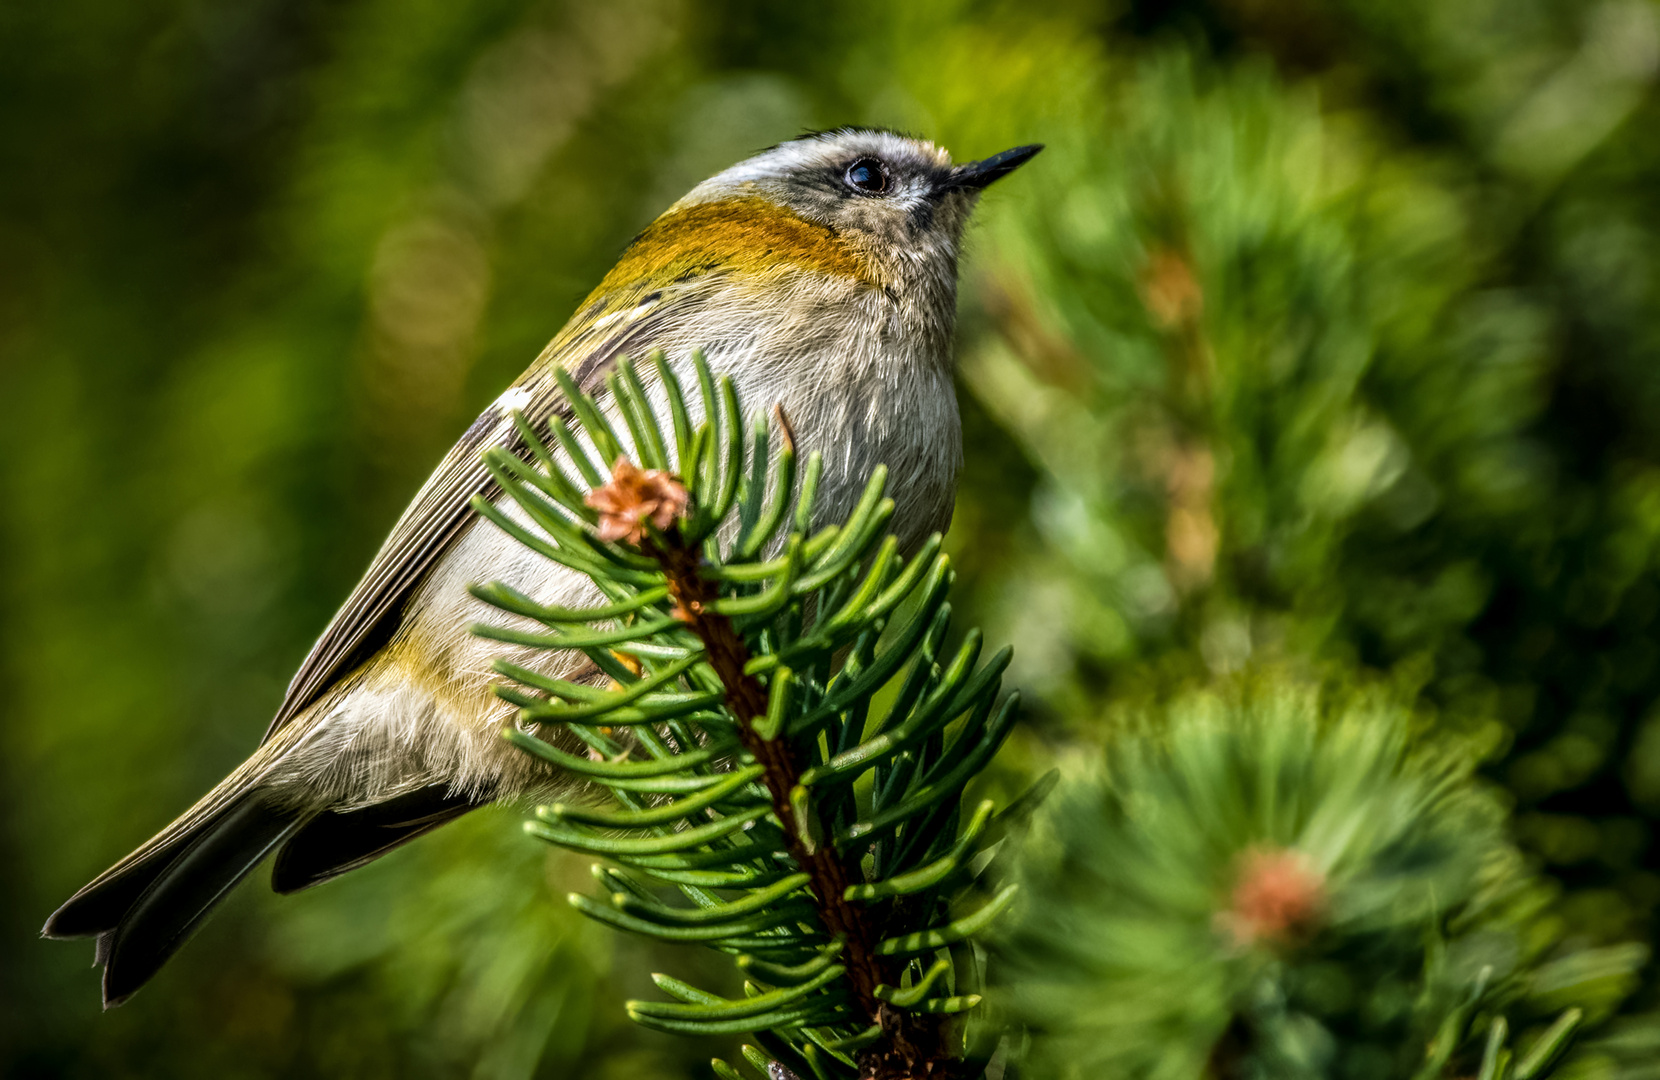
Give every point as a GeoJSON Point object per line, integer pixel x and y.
{"type": "Point", "coordinates": [369, 617]}
{"type": "Point", "coordinates": [442, 509]}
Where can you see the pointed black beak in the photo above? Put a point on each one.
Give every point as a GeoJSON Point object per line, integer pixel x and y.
{"type": "Point", "coordinates": [979, 174]}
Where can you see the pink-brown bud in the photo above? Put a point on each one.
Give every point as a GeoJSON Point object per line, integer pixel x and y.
{"type": "Point", "coordinates": [635, 496]}
{"type": "Point", "coordinates": [1278, 897]}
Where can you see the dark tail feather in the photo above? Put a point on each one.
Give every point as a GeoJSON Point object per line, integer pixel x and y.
{"type": "Point", "coordinates": [144, 908]}
{"type": "Point", "coordinates": [144, 913]}
{"type": "Point", "coordinates": [334, 842]}
{"type": "Point", "coordinates": [99, 907]}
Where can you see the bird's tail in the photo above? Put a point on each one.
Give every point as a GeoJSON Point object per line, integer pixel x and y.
{"type": "Point", "coordinates": [146, 906]}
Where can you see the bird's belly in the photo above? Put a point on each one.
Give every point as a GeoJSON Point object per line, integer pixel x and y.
{"type": "Point", "coordinates": [422, 711]}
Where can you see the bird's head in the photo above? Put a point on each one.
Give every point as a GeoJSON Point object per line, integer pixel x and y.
{"type": "Point", "coordinates": [898, 201]}
{"type": "Point", "coordinates": [869, 220]}
{"type": "Point", "coordinates": [867, 184]}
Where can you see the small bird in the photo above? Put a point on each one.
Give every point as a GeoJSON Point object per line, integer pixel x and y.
{"type": "Point", "coordinates": [820, 274]}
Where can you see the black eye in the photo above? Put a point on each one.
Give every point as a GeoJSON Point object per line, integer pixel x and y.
{"type": "Point", "coordinates": [868, 175]}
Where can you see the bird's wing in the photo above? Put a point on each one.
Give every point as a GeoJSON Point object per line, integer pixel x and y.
{"type": "Point", "coordinates": [442, 509]}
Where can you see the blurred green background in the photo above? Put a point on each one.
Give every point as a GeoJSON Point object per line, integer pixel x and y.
{"type": "Point", "coordinates": [1326, 334]}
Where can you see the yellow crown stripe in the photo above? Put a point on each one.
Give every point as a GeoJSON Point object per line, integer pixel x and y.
{"type": "Point", "coordinates": [749, 235]}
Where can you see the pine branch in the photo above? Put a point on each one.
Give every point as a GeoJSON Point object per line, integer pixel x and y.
{"type": "Point", "coordinates": [747, 700]}
{"type": "Point", "coordinates": [756, 776]}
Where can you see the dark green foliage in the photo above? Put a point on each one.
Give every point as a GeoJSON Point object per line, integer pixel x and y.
{"type": "Point", "coordinates": [1299, 390]}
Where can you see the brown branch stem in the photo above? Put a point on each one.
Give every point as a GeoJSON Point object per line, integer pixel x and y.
{"type": "Point", "coordinates": [913, 1047]}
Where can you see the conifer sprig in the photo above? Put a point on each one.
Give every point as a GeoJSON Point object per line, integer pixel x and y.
{"type": "Point", "coordinates": [761, 804]}
{"type": "Point", "coordinates": [1266, 885]}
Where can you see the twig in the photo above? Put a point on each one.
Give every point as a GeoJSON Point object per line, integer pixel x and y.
{"type": "Point", "coordinates": [914, 1047]}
